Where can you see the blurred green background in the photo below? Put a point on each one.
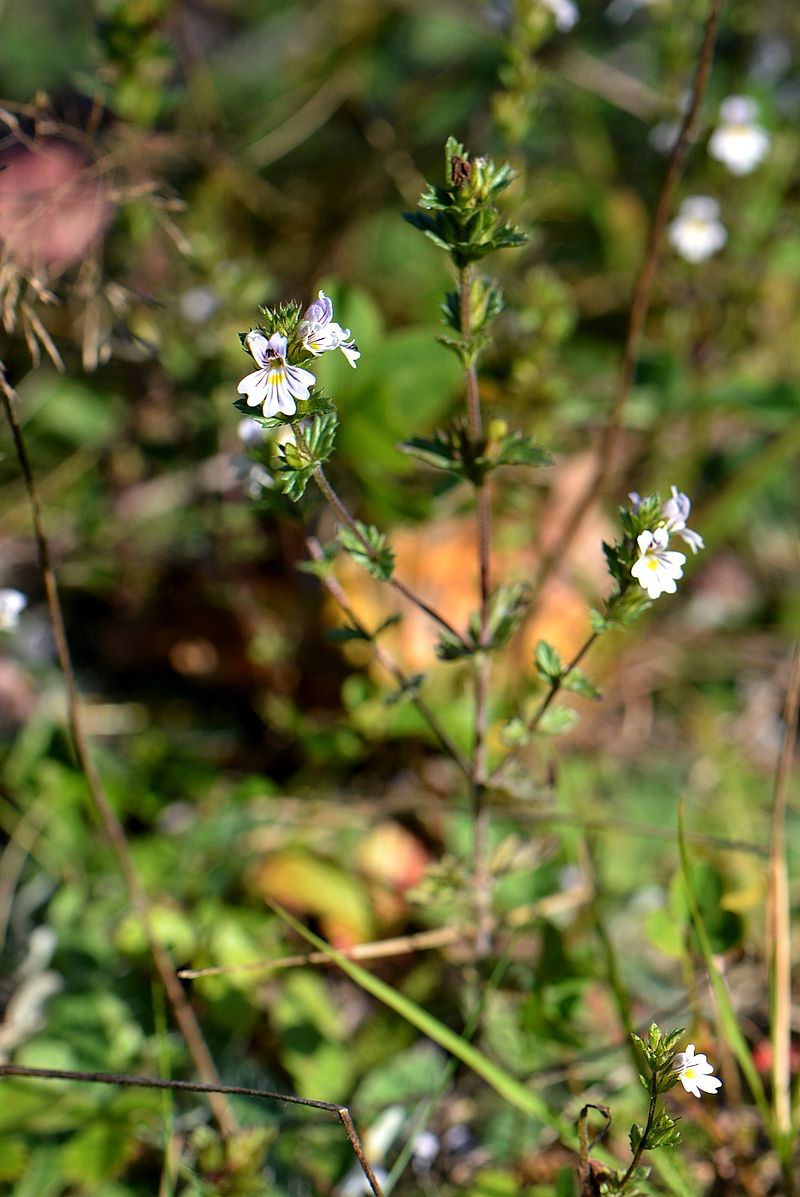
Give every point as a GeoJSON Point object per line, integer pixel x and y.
{"type": "Point", "coordinates": [196, 160]}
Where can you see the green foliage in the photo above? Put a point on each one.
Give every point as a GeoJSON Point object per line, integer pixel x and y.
{"type": "Point", "coordinates": [299, 460]}
{"type": "Point", "coordinates": [465, 221]}
{"type": "Point", "coordinates": [368, 546]}
{"type": "Point", "coordinates": [506, 609]}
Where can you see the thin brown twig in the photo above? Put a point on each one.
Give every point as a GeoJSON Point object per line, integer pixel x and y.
{"type": "Point", "coordinates": [184, 1014]}
{"type": "Point", "coordinates": [337, 592]}
{"type": "Point", "coordinates": [778, 923]}
{"type": "Point", "coordinates": [399, 945]}
{"type": "Point", "coordinates": [640, 304]}
{"type": "Point", "coordinates": [146, 1082]}
{"type": "Point", "coordinates": [439, 937]}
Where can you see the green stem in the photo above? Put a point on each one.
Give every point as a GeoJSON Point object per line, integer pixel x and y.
{"type": "Point", "coordinates": [536, 718]}
{"type": "Point", "coordinates": [481, 878]}
{"type": "Point", "coordinates": [648, 1126]}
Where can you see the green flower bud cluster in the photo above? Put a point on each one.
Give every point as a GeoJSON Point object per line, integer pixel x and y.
{"type": "Point", "coordinates": [463, 218]}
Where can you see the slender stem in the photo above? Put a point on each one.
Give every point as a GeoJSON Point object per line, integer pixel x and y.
{"type": "Point", "coordinates": [482, 664]}
{"type": "Point", "coordinates": [184, 1014]}
{"type": "Point", "coordinates": [640, 303]}
{"type": "Point", "coordinates": [344, 515]}
{"type": "Point", "coordinates": [639, 1152]}
{"type": "Point", "coordinates": [389, 664]}
{"type": "Point", "coordinates": [536, 718]}
{"type": "Point", "coordinates": [779, 922]}
{"type": "Point", "coordinates": [146, 1082]}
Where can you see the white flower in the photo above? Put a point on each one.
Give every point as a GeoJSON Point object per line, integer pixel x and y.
{"type": "Point", "coordinates": [738, 142]}
{"type": "Point", "coordinates": [276, 386]}
{"type": "Point", "coordinates": [565, 13]}
{"type": "Point", "coordinates": [12, 604]}
{"type": "Point", "coordinates": [319, 332]}
{"type": "Point", "coordinates": [657, 567]}
{"type": "Point", "coordinates": [676, 513]}
{"type": "Point", "coordinates": [249, 432]}
{"type": "Point", "coordinates": [695, 1073]}
{"type": "Point", "coordinates": [696, 232]}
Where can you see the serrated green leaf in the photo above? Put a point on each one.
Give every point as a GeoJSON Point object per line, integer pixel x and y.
{"type": "Point", "coordinates": [599, 622]}
{"type": "Point", "coordinates": [557, 720]}
{"type": "Point", "coordinates": [438, 451]}
{"type": "Point", "coordinates": [451, 647]}
{"type": "Point", "coordinates": [517, 449]}
{"type": "Point", "coordinates": [367, 545]}
{"type": "Point", "coordinates": [549, 664]}
{"type": "Point", "coordinates": [515, 733]}
{"type": "Point", "coordinates": [409, 690]}
{"type": "Point", "coordinates": [345, 634]}
{"type": "Point", "coordinates": [507, 607]}
{"type": "Point", "coordinates": [578, 683]}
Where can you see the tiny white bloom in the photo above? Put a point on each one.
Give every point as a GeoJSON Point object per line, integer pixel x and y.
{"type": "Point", "coordinates": [249, 432]}
{"type": "Point", "coordinates": [695, 1073]}
{"type": "Point", "coordinates": [697, 232]}
{"type": "Point", "coordinates": [658, 567]}
{"type": "Point", "coordinates": [738, 141]}
{"type": "Point", "coordinates": [676, 513]}
{"type": "Point", "coordinates": [12, 604]}
{"type": "Point", "coordinates": [565, 13]}
{"type": "Point", "coordinates": [319, 332]}
{"type": "Point", "coordinates": [276, 386]}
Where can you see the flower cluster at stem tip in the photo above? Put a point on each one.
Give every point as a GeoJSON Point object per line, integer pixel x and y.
{"type": "Point", "coordinates": [659, 567]}
{"type": "Point", "coordinates": [280, 381]}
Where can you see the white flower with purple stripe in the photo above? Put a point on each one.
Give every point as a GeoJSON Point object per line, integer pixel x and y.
{"type": "Point", "coordinates": [319, 332]}
{"type": "Point", "coordinates": [658, 566]}
{"type": "Point", "coordinates": [695, 1072]}
{"type": "Point", "coordinates": [276, 387]}
{"type": "Point", "coordinates": [676, 513]}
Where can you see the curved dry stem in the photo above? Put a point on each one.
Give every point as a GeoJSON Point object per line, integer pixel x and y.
{"type": "Point", "coordinates": [184, 1014]}
{"type": "Point", "coordinates": [214, 1090]}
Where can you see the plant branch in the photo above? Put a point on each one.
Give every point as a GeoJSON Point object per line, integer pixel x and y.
{"type": "Point", "coordinates": [640, 303]}
{"type": "Point", "coordinates": [146, 1082]}
{"type": "Point", "coordinates": [344, 515]}
{"type": "Point", "coordinates": [387, 661]}
{"type": "Point", "coordinates": [481, 879]}
{"type": "Point", "coordinates": [536, 718]}
{"type": "Point", "coordinates": [184, 1014]}
{"type": "Point", "coordinates": [641, 1145]}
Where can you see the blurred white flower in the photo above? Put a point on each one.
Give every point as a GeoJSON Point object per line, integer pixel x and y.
{"type": "Point", "coordinates": [12, 604]}
{"type": "Point", "coordinates": [696, 232]}
{"type": "Point", "coordinates": [676, 513]}
{"type": "Point", "coordinates": [695, 1072]}
{"type": "Point", "coordinates": [319, 332]}
{"type": "Point", "coordinates": [738, 142]}
{"type": "Point", "coordinates": [276, 386]}
{"type": "Point", "coordinates": [249, 432]}
{"type": "Point", "coordinates": [658, 566]}
{"type": "Point", "coordinates": [565, 13]}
